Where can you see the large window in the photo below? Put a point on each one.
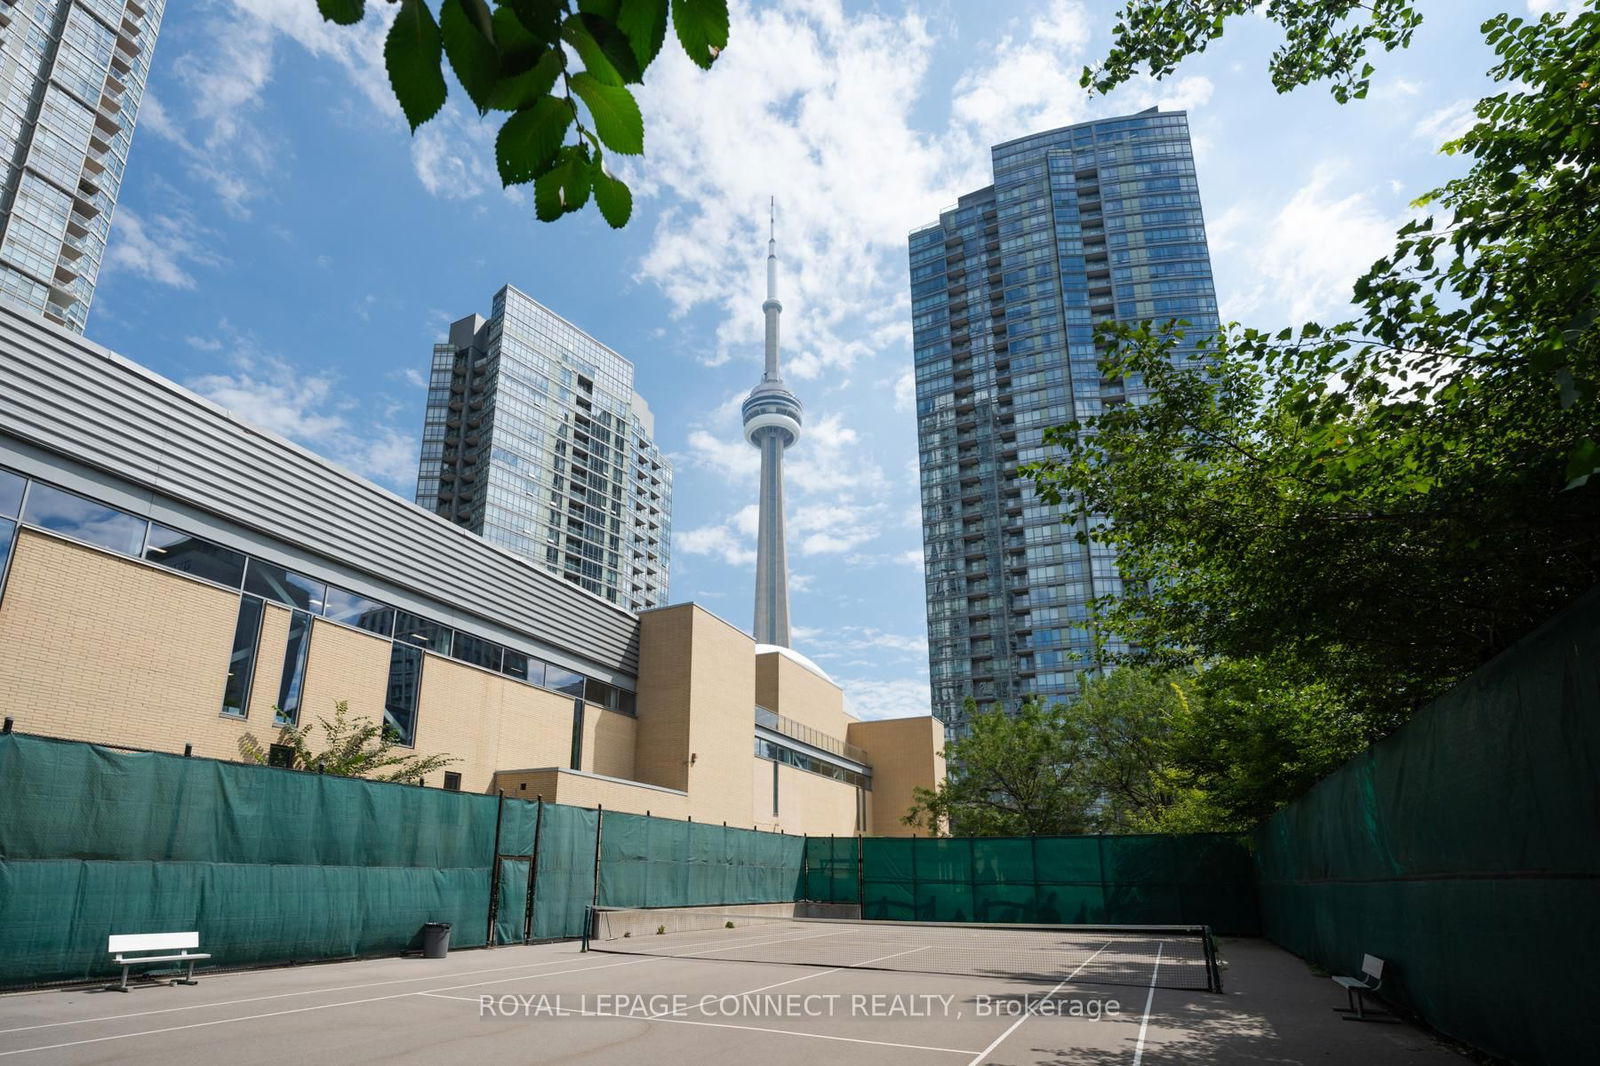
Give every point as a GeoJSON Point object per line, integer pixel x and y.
{"type": "Point", "coordinates": [176, 550]}
{"type": "Point", "coordinates": [294, 668]}
{"type": "Point", "coordinates": [242, 662]}
{"type": "Point", "coordinates": [8, 537]}
{"type": "Point", "coordinates": [414, 629]}
{"type": "Point", "coordinates": [72, 515]}
{"type": "Point", "coordinates": [10, 493]}
{"type": "Point", "coordinates": [284, 586]}
{"type": "Point", "coordinates": [370, 615]}
{"type": "Point", "coordinates": [563, 680]}
{"type": "Point", "coordinates": [400, 706]}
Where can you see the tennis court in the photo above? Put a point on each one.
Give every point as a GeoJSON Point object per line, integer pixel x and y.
{"type": "Point", "coordinates": [763, 991]}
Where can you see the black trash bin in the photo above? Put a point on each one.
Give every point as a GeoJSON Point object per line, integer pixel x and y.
{"type": "Point", "coordinates": [435, 940]}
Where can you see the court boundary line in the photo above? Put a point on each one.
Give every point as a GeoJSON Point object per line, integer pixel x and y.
{"type": "Point", "coordinates": [1144, 1024]}
{"type": "Point", "coordinates": [1033, 1008]}
{"type": "Point", "coordinates": [312, 1007]}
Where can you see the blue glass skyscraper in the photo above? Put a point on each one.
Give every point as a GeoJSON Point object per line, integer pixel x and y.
{"type": "Point", "coordinates": [1086, 224]}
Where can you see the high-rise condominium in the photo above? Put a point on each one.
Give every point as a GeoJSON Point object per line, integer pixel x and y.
{"type": "Point", "coordinates": [535, 440]}
{"type": "Point", "coordinates": [1095, 222]}
{"type": "Point", "coordinates": [71, 76]}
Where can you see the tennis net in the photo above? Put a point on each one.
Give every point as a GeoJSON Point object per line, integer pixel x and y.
{"type": "Point", "coordinates": [1181, 957]}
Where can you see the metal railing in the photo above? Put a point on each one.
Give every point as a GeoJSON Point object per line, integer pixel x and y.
{"type": "Point", "coordinates": [807, 735]}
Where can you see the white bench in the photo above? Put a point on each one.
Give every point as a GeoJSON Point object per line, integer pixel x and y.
{"type": "Point", "coordinates": [121, 947]}
{"type": "Point", "coordinates": [1357, 989]}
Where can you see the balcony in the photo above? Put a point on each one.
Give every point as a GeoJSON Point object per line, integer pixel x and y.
{"type": "Point", "coordinates": [806, 735]}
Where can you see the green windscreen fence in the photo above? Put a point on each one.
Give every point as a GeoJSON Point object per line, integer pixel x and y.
{"type": "Point", "coordinates": [1200, 879]}
{"type": "Point", "coordinates": [1465, 852]}
{"type": "Point", "coordinates": [653, 862]}
{"type": "Point", "coordinates": [269, 865]}
{"type": "Point", "coordinates": [273, 865]}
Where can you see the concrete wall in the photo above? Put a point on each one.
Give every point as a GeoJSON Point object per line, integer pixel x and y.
{"type": "Point", "coordinates": [906, 753]}
{"type": "Point", "coordinates": [577, 789]}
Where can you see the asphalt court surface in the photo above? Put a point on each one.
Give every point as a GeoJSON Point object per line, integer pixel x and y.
{"type": "Point", "coordinates": [553, 1003]}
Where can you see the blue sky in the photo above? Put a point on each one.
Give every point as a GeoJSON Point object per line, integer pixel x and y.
{"type": "Point", "coordinates": [284, 247]}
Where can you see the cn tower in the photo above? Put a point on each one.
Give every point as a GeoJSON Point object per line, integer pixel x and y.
{"type": "Point", "coordinates": [772, 424]}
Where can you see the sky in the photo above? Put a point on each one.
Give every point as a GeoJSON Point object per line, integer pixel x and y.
{"type": "Point", "coordinates": [283, 246]}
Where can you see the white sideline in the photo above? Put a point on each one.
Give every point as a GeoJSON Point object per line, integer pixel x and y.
{"type": "Point", "coordinates": [1138, 1049]}
{"type": "Point", "coordinates": [1030, 1011]}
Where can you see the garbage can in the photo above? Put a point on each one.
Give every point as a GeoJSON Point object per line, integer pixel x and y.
{"type": "Point", "coordinates": [435, 940]}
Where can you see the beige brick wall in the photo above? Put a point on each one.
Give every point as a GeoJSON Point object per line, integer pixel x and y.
{"type": "Point", "coordinates": [488, 723]}
{"type": "Point", "coordinates": [268, 676]}
{"type": "Point", "coordinates": [608, 742]}
{"type": "Point", "coordinates": [98, 647]}
{"type": "Point", "coordinates": [666, 643]}
{"type": "Point", "coordinates": [785, 686]}
{"type": "Point", "coordinates": [807, 802]}
{"type": "Point", "coordinates": [905, 753]}
{"type": "Point", "coordinates": [344, 664]}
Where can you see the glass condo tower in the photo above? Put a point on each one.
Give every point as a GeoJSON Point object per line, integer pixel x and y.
{"type": "Point", "coordinates": [1085, 224]}
{"type": "Point", "coordinates": [535, 440]}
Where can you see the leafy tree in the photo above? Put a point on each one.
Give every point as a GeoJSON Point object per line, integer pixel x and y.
{"type": "Point", "coordinates": [348, 748]}
{"type": "Point", "coordinates": [1384, 503]}
{"type": "Point", "coordinates": [1010, 775]}
{"type": "Point", "coordinates": [1144, 749]}
{"type": "Point", "coordinates": [540, 60]}
{"type": "Point", "coordinates": [1323, 39]}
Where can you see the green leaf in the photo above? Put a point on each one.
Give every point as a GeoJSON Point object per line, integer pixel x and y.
{"type": "Point", "coordinates": [644, 22]}
{"type": "Point", "coordinates": [344, 12]}
{"type": "Point", "coordinates": [531, 139]}
{"type": "Point", "coordinates": [413, 53]}
{"type": "Point", "coordinates": [473, 56]}
{"type": "Point", "coordinates": [612, 197]}
{"type": "Point", "coordinates": [1583, 463]}
{"type": "Point", "coordinates": [702, 27]}
{"type": "Point", "coordinates": [616, 115]}
{"type": "Point", "coordinates": [564, 187]}
{"type": "Point", "coordinates": [520, 90]}
{"type": "Point", "coordinates": [541, 18]}
{"type": "Point", "coordinates": [614, 45]}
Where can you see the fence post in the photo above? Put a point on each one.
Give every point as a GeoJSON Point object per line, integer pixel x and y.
{"type": "Point", "coordinates": [1105, 899]}
{"type": "Point", "coordinates": [599, 827]}
{"type": "Point", "coordinates": [916, 886]}
{"type": "Point", "coordinates": [494, 868]}
{"type": "Point", "coordinates": [533, 871]}
{"type": "Point", "coordinates": [861, 875]}
{"type": "Point", "coordinates": [1033, 864]}
{"type": "Point", "coordinates": [972, 876]}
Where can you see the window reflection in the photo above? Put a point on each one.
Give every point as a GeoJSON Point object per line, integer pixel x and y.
{"type": "Point", "coordinates": [10, 493]}
{"type": "Point", "coordinates": [284, 586]}
{"type": "Point", "coordinates": [68, 513]}
{"type": "Point", "coordinates": [176, 550]}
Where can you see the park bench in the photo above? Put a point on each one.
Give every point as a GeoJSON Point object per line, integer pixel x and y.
{"type": "Point", "coordinates": [1358, 989]}
{"type": "Point", "coordinates": [123, 945]}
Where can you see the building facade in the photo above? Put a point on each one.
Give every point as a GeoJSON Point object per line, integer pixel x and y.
{"type": "Point", "coordinates": [72, 73]}
{"type": "Point", "coordinates": [1091, 223]}
{"type": "Point", "coordinates": [535, 440]}
{"type": "Point", "coordinates": [173, 579]}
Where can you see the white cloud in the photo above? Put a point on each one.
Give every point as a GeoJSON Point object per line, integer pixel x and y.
{"type": "Point", "coordinates": [415, 377]}
{"type": "Point", "coordinates": [1566, 7]}
{"type": "Point", "coordinates": [905, 391]}
{"type": "Point", "coordinates": [718, 541]}
{"type": "Point", "coordinates": [1447, 123]}
{"type": "Point", "coordinates": [313, 409]}
{"type": "Point", "coordinates": [873, 698]}
{"type": "Point", "coordinates": [159, 247]}
{"type": "Point", "coordinates": [1306, 256]}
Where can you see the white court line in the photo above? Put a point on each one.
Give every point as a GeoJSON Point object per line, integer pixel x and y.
{"type": "Point", "coordinates": [276, 995]}
{"type": "Point", "coordinates": [319, 1006]}
{"type": "Point", "coordinates": [1138, 1049]}
{"type": "Point", "coordinates": [836, 969]}
{"type": "Point", "coordinates": [1029, 1013]}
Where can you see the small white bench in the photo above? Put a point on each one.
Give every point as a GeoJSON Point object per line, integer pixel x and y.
{"type": "Point", "coordinates": [1357, 989]}
{"type": "Point", "coordinates": [122, 946]}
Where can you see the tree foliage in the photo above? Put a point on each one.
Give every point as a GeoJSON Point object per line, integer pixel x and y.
{"type": "Point", "coordinates": [1323, 39]}
{"type": "Point", "coordinates": [1144, 749]}
{"type": "Point", "coordinates": [539, 60]}
{"type": "Point", "coordinates": [1384, 503]}
{"type": "Point", "coordinates": [348, 747]}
